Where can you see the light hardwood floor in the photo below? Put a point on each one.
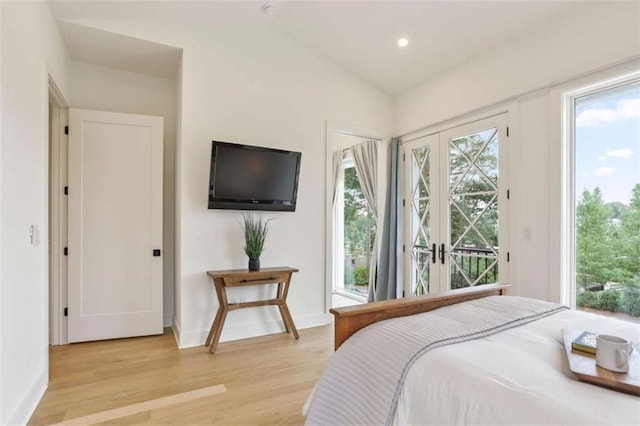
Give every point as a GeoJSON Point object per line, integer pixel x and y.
{"type": "Point", "coordinates": [267, 379]}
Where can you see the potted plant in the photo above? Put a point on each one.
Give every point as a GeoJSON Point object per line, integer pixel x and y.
{"type": "Point", "coordinates": [255, 234]}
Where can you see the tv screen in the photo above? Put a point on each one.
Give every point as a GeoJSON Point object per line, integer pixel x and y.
{"type": "Point", "coordinates": [245, 177]}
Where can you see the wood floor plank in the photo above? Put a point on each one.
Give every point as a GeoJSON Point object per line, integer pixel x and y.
{"type": "Point", "coordinates": [141, 407]}
{"type": "Point", "coordinates": [267, 379]}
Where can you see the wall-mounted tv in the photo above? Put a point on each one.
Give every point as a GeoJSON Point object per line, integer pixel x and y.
{"type": "Point", "coordinates": [245, 177]}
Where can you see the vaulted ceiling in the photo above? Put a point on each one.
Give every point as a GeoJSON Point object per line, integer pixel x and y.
{"type": "Point", "coordinates": [360, 36]}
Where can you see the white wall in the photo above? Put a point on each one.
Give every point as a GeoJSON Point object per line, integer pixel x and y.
{"type": "Point", "coordinates": [600, 35]}
{"type": "Point", "coordinates": [31, 48]}
{"type": "Point", "coordinates": [109, 89]}
{"type": "Point", "coordinates": [253, 86]}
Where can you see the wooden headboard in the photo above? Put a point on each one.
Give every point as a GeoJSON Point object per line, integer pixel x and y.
{"type": "Point", "coordinates": [350, 319]}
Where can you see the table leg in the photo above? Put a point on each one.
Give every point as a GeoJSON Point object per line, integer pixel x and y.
{"type": "Point", "coordinates": [279, 297]}
{"type": "Point", "coordinates": [218, 330]}
{"type": "Point", "coordinates": [284, 310]}
{"type": "Point", "coordinates": [221, 316]}
{"type": "Point", "coordinates": [213, 326]}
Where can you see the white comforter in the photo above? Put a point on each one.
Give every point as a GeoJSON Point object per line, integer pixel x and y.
{"type": "Point", "coordinates": [518, 376]}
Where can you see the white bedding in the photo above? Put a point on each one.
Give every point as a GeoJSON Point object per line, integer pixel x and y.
{"type": "Point", "coordinates": [517, 376]}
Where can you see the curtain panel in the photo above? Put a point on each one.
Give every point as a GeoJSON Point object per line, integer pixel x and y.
{"type": "Point", "coordinates": [388, 263]}
{"type": "Point", "coordinates": [365, 158]}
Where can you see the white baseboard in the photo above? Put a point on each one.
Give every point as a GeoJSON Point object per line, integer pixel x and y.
{"type": "Point", "coordinates": [243, 331]}
{"type": "Point", "coordinates": [28, 405]}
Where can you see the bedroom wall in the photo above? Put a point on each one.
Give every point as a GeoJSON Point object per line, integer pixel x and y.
{"type": "Point", "coordinates": [31, 48]}
{"type": "Point", "coordinates": [110, 89]}
{"type": "Point", "coordinates": [251, 85]}
{"type": "Point", "coordinates": [601, 35]}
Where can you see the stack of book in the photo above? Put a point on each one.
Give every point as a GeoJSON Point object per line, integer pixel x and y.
{"type": "Point", "coordinates": [585, 342]}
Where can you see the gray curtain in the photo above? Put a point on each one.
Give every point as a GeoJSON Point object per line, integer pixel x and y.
{"type": "Point", "coordinates": [388, 263]}
{"type": "Point", "coordinates": [338, 171]}
{"type": "Point", "coordinates": [365, 158]}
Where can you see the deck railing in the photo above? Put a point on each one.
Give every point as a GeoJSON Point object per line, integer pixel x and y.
{"type": "Point", "coordinates": [474, 262]}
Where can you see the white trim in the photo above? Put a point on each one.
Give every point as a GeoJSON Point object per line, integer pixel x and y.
{"type": "Point", "coordinates": [332, 128]}
{"type": "Point", "coordinates": [58, 211]}
{"type": "Point", "coordinates": [567, 267]}
{"type": "Point", "coordinates": [350, 295]}
{"type": "Point", "coordinates": [231, 332]}
{"type": "Point", "coordinates": [30, 400]}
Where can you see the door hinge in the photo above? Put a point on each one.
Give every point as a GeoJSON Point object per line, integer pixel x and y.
{"type": "Point", "coordinates": [508, 257]}
{"type": "Point", "coordinates": [402, 203]}
{"type": "Point", "coordinates": [66, 190]}
{"type": "Point", "coordinates": [507, 131]}
{"type": "Point", "coordinates": [402, 293]}
{"type": "Point", "coordinates": [508, 194]}
{"type": "Point", "coordinates": [403, 248]}
{"type": "Point", "coordinates": [66, 251]}
{"type": "Point", "coordinates": [66, 130]}
{"type": "Point", "coordinates": [66, 312]}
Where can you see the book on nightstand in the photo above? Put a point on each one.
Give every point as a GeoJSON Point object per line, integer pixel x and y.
{"type": "Point", "coordinates": [585, 342]}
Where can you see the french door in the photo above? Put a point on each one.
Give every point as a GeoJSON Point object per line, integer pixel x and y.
{"type": "Point", "coordinates": [455, 207]}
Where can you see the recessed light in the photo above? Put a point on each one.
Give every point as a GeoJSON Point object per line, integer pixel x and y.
{"type": "Point", "coordinates": [403, 42]}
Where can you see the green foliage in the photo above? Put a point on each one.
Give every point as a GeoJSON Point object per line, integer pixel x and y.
{"type": "Point", "coordinates": [478, 190]}
{"type": "Point", "coordinates": [608, 250]}
{"type": "Point", "coordinates": [355, 205]}
{"type": "Point", "coordinates": [361, 275]}
{"type": "Point", "coordinates": [255, 235]}
{"type": "Point", "coordinates": [587, 299]}
{"type": "Point", "coordinates": [631, 297]}
{"type": "Point", "coordinates": [593, 244]}
{"type": "Point", "coordinates": [630, 235]}
{"type": "Point", "coordinates": [359, 223]}
{"type": "Point", "coordinates": [617, 208]}
{"type": "Point", "coordinates": [608, 300]}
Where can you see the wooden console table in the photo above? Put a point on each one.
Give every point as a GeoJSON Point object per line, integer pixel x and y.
{"type": "Point", "coordinates": [241, 278]}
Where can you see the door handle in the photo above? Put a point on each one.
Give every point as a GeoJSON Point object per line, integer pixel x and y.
{"type": "Point", "coordinates": [433, 253]}
{"type": "Point", "coordinates": [442, 253]}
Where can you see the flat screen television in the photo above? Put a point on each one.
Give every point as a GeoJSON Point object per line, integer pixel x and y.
{"type": "Point", "coordinates": [245, 177]}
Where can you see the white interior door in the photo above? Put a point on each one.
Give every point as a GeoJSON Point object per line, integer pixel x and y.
{"type": "Point", "coordinates": [456, 220]}
{"type": "Point", "coordinates": [115, 225]}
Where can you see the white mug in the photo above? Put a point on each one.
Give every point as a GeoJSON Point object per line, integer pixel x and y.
{"type": "Point", "coordinates": [612, 353]}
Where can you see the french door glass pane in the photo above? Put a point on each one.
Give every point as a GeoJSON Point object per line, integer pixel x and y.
{"type": "Point", "coordinates": [420, 218]}
{"type": "Point", "coordinates": [473, 209]}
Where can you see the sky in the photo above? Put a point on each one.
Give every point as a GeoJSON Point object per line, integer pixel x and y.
{"type": "Point", "coordinates": [607, 151]}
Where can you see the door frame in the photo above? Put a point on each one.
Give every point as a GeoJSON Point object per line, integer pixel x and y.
{"type": "Point", "coordinates": [510, 111]}
{"type": "Point", "coordinates": [57, 210]}
{"type": "Point", "coordinates": [333, 128]}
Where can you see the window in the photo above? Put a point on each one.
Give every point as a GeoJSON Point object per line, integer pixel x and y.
{"type": "Point", "coordinates": [606, 145]}
{"type": "Point", "coordinates": [358, 234]}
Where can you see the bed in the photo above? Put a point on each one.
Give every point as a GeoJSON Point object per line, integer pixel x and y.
{"type": "Point", "coordinates": [511, 370]}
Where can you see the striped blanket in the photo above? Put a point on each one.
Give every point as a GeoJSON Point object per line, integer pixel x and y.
{"type": "Point", "coordinates": [363, 380]}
